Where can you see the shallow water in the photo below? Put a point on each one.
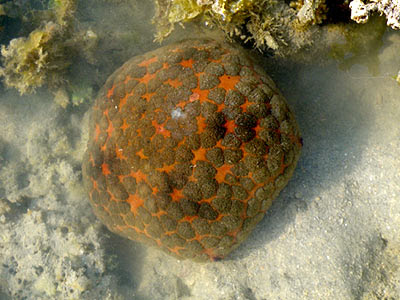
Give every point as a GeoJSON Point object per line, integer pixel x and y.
{"type": "Point", "coordinates": [333, 233]}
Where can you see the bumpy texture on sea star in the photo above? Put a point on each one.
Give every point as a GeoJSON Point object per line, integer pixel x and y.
{"type": "Point", "coordinates": [189, 144]}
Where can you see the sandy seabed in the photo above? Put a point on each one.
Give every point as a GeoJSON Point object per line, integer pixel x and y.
{"type": "Point", "coordinates": [333, 233]}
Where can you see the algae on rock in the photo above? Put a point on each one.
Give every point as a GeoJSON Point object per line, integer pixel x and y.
{"type": "Point", "coordinates": [310, 11]}
{"type": "Point", "coordinates": [31, 62]}
{"type": "Point", "coordinates": [268, 24]}
{"type": "Point", "coordinates": [43, 57]}
{"type": "Point", "coordinates": [284, 27]}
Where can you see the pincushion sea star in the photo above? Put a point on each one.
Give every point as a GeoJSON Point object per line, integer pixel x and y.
{"type": "Point", "coordinates": [189, 144]}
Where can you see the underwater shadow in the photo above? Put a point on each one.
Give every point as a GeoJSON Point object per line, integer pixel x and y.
{"type": "Point", "coordinates": [334, 123]}
{"type": "Point", "coordinates": [125, 261]}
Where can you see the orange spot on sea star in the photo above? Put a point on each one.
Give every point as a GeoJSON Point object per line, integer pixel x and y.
{"type": "Point", "coordinates": [187, 63]}
{"type": "Point", "coordinates": [104, 168]}
{"type": "Point", "coordinates": [174, 83]}
{"type": "Point", "coordinates": [228, 82]}
{"type": "Point", "coordinates": [147, 62]}
{"type": "Point", "coordinates": [146, 78]}
{"type": "Point", "coordinates": [135, 203]}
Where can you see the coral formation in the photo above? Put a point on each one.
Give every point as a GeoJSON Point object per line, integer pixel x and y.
{"type": "Point", "coordinates": [189, 145]}
{"type": "Point", "coordinates": [361, 10]}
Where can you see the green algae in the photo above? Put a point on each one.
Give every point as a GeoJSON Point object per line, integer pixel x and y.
{"type": "Point", "coordinates": [81, 94]}
{"type": "Point", "coordinates": [30, 62]}
{"type": "Point", "coordinates": [63, 11]}
{"type": "Point", "coordinates": [44, 55]}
